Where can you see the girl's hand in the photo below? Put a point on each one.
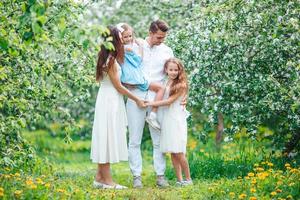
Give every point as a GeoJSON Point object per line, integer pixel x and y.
{"type": "Point", "coordinates": [184, 101]}
{"type": "Point", "coordinates": [149, 103]}
{"type": "Point", "coordinates": [128, 49]}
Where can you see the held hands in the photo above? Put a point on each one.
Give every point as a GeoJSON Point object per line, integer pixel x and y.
{"type": "Point", "coordinates": [149, 103]}
{"type": "Point", "coordinates": [141, 103]}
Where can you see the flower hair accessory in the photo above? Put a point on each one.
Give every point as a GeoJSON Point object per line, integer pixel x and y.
{"type": "Point", "coordinates": [119, 27]}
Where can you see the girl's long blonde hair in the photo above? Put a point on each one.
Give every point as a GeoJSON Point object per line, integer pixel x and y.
{"type": "Point", "coordinates": [180, 84]}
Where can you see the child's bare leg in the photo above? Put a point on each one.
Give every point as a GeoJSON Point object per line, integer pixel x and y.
{"type": "Point", "coordinates": [184, 166]}
{"type": "Point", "coordinates": [177, 167]}
{"type": "Point", "coordinates": [160, 90]}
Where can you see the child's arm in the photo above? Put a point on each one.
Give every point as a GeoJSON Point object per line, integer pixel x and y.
{"type": "Point", "coordinates": [165, 102]}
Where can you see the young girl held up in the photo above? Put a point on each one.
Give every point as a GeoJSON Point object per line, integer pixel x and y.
{"type": "Point", "coordinates": [132, 74]}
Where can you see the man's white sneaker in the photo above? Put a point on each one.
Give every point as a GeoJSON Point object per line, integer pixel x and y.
{"type": "Point", "coordinates": [152, 121]}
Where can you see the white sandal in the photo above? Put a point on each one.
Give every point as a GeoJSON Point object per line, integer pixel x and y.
{"type": "Point", "coordinates": [105, 186]}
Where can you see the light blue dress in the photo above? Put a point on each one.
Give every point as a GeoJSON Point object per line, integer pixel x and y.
{"type": "Point", "coordinates": [132, 72]}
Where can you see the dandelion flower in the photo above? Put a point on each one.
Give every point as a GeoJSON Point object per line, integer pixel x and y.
{"type": "Point", "coordinates": [273, 193]}
{"type": "Point", "coordinates": [242, 196]}
{"type": "Point", "coordinates": [278, 190]}
{"type": "Point", "coordinates": [18, 192]}
{"type": "Point", "coordinates": [250, 174]}
{"type": "Point", "coordinates": [232, 194]}
{"type": "Point", "coordinates": [253, 190]}
{"type": "Point", "coordinates": [287, 165]}
{"type": "Point", "coordinates": [252, 198]}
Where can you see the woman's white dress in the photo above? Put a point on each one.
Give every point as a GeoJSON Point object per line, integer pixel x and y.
{"type": "Point", "coordinates": [173, 137]}
{"type": "Point", "coordinates": [109, 143]}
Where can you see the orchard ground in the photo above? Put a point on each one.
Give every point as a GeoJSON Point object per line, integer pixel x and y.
{"type": "Point", "coordinates": [240, 170]}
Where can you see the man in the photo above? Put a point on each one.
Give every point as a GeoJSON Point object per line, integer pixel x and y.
{"type": "Point", "coordinates": [154, 56]}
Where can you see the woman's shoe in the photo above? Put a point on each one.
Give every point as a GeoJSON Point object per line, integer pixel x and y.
{"type": "Point", "coordinates": [97, 184]}
{"type": "Point", "coordinates": [106, 186]}
{"type": "Point", "coordinates": [116, 187]}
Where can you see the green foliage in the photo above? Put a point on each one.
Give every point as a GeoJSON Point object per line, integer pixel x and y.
{"type": "Point", "coordinates": [46, 62]}
{"type": "Point", "coordinates": [242, 58]}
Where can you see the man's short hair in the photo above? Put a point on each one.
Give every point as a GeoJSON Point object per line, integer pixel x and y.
{"type": "Point", "coordinates": [158, 25]}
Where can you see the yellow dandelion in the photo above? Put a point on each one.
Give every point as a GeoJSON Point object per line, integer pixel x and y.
{"type": "Point", "coordinates": [253, 181]}
{"type": "Point", "coordinates": [7, 169]}
{"type": "Point", "coordinates": [39, 181]}
{"type": "Point", "coordinates": [270, 170]}
{"type": "Point", "coordinates": [33, 186]}
{"type": "Point", "coordinates": [250, 174]}
{"type": "Point", "coordinates": [1, 192]}
{"type": "Point", "coordinates": [279, 182]}
{"type": "Point", "coordinates": [252, 198]}
{"type": "Point", "coordinates": [231, 194]}
{"type": "Point", "coordinates": [247, 177]}
{"type": "Point", "coordinates": [288, 168]}
{"type": "Point", "coordinates": [270, 164]}
{"type": "Point", "coordinates": [263, 163]}
{"type": "Point", "coordinates": [29, 182]}
{"type": "Point", "coordinates": [287, 165]}
{"type": "Point", "coordinates": [18, 192]}
{"type": "Point", "coordinates": [253, 190]}
{"type": "Point", "coordinates": [278, 190]}
{"type": "Point", "coordinates": [256, 165]}
{"type": "Point", "coordinates": [17, 175]}
{"type": "Point", "coordinates": [192, 144]}
{"type": "Point", "coordinates": [242, 196]}
{"type": "Point", "coordinates": [7, 176]}
{"type": "Point", "coordinates": [61, 190]}
{"type": "Point", "coordinates": [47, 185]}
{"type": "Point", "coordinates": [273, 193]}
{"type": "Point", "coordinates": [294, 170]}
{"type": "Point", "coordinates": [260, 169]}
{"type": "Point", "coordinates": [291, 184]}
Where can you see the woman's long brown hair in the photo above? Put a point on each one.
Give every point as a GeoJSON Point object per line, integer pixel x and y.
{"type": "Point", "coordinates": [180, 84]}
{"type": "Point", "coordinates": [115, 54]}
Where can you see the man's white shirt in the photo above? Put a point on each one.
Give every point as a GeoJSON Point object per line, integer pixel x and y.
{"type": "Point", "coordinates": [154, 59]}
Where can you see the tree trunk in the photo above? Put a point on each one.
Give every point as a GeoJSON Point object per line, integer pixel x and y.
{"type": "Point", "coordinates": [220, 130]}
{"type": "Point", "coordinates": [294, 141]}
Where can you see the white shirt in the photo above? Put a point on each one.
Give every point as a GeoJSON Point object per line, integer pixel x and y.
{"type": "Point", "coordinates": [154, 59]}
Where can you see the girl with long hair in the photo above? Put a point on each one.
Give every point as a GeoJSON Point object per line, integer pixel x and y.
{"type": "Point", "coordinates": [174, 125]}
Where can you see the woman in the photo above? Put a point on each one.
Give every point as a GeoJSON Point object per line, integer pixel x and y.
{"type": "Point", "coordinates": [109, 143]}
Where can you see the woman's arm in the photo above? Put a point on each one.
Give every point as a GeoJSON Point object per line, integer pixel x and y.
{"type": "Point", "coordinates": [165, 102]}
{"type": "Point", "coordinates": [114, 77]}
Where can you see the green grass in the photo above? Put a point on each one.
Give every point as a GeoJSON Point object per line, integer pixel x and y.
{"type": "Point", "coordinates": [64, 171]}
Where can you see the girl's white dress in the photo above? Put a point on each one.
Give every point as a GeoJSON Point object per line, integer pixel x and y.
{"type": "Point", "coordinates": [173, 137]}
{"type": "Point", "coordinates": [109, 143]}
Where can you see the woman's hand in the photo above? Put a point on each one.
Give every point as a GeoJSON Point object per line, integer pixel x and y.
{"type": "Point", "coordinates": [141, 103]}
